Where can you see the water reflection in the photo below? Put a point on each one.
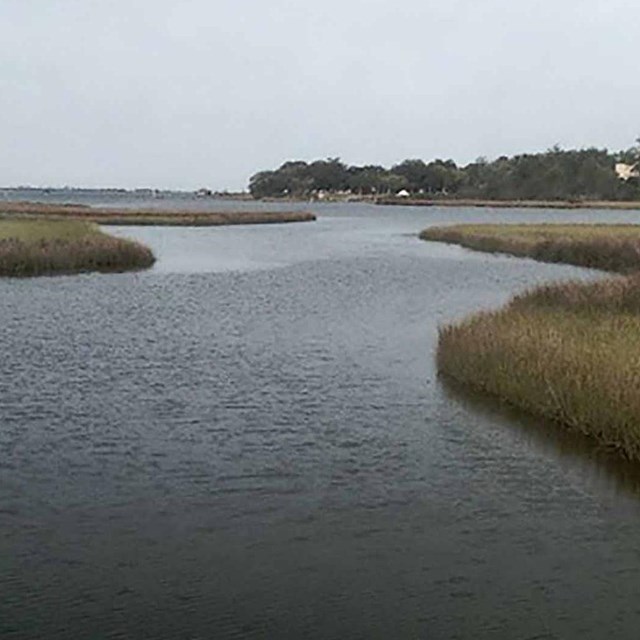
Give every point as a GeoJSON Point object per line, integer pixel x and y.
{"type": "Point", "coordinates": [596, 463]}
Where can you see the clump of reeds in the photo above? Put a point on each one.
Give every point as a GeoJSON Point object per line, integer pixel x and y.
{"type": "Point", "coordinates": [30, 248]}
{"type": "Point", "coordinates": [607, 247]}
{"type": "Point", "coordinates": [577, 364]}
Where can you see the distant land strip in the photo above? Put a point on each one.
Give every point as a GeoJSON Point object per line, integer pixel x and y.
{"type": "Point", "coordinates": [136, 217]}
{"type": "Point", "coordinates": [512, 204]}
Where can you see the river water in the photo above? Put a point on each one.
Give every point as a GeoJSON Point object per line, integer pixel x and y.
{"type": "Point", "coordinates": [250, 441]}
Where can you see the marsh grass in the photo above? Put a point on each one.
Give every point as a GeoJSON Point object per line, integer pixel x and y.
{"type": "Point", "coordinates": [47, 247]}
{"type": "Point", "coordinates": [606, 247]}
{"type": "Point", "coordinates": [569, 352]}
{"type": "Point", "coordinates": [142, 217]}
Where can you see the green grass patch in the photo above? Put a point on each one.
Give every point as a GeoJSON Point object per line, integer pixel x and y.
{"type": "Point", "coordinates": [47, 247]}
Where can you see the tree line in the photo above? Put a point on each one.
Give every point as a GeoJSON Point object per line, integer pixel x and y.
{"type": "Point", "coordinates": [557, 174]}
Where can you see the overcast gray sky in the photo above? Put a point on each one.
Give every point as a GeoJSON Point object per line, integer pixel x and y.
{"type": "Point", "coordinates": [190, 93]}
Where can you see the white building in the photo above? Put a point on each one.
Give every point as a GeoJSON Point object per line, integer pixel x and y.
{"type": "Point", "coordinates": [626, 171]}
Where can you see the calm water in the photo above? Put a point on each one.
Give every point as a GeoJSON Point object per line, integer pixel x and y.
{"type": "Point", "coordinates": [250, 441]}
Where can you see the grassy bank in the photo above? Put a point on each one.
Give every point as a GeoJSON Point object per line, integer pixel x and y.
{"type": "Point", "coordinates": [47, 247]}
{"type": "Point", "coordinates": [113, 216]}
{"type": "Point", "coordinates": [606, 247]}
{"type": "Point", "coordinates": [569, 352]}
{"type": "Point", "coordinates": [512, 204]}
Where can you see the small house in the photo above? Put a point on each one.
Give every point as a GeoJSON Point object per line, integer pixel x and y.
{"type": "Point", "coordinates": [626, 171]}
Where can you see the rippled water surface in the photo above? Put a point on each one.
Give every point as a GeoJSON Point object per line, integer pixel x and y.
{"type": "Point", "coordinates": [250, 441]}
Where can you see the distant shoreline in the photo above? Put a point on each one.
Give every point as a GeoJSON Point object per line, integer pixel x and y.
{"type": "Point", "coordinates": [623, 205]}
{"type": "Point", "coordinates": [136, 217]}
{"type": "Point", "coordinates": [513, 204]}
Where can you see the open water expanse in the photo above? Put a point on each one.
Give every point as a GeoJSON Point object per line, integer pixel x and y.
{"type": "Point", "coordinates": [250, 441]}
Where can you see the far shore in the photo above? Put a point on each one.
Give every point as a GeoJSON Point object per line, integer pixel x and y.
{"type": "Point", "coordinates": [512, 204]}
{"type": "Point", "coordinates": [623, 205]}
{"type": "Point", "coordinates": [137, 217]}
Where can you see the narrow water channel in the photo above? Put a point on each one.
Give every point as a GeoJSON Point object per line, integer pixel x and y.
{"type": "Point", "coordinates": [250, 441]}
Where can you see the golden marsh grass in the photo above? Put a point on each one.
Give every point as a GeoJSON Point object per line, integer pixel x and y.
{"type": "Point", "coordinates": [607, 247]}
{"type": "Point", "coordinates": [569, 352]}
{"type": "Point", "coordinates": [47, 247]}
